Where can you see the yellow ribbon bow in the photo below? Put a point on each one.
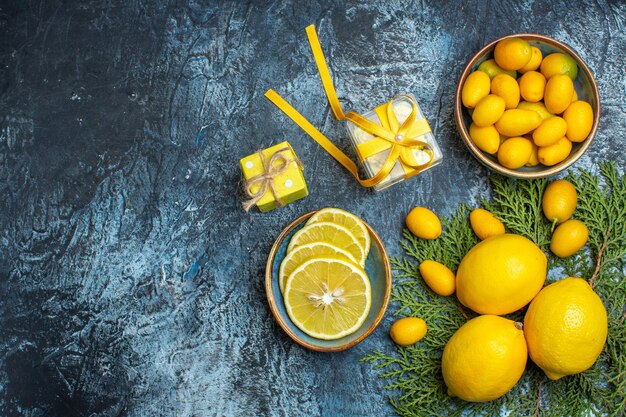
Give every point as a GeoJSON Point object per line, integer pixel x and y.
{"type": "Point", "coordinates": [399, 138]}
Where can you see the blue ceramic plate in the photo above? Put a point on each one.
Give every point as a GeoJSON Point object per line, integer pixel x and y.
{"type": "Point", "coordinates": [377, 267]}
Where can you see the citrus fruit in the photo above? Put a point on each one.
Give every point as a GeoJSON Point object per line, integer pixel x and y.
{"type": "Point", "coordinates": [539, 107]}
{"type": "Point", "coordinates": [485, 224]}
{"type": "Point", "coordinates": [515, 152]}
{"type": "Point", "coordinates": [488, 110]}
{"type": "Point", "coordinates": [559, 201]}
{"type": "Point", "coordinates": [534, 157]}
{"type": "Point", "coordinates": [568, 238]}
{"type": "Point", "coordinates": [534, 62]}
{"type": "Point", "coordinates": [347, 220]}
{"type": "Point", "coordinates": [408, 331]}
{"type": "Point", "coordinates": [505, 86]}
{"type": "Point", "coordinates": [501, 274]}
{"type": "Point", "coordinates": [332, 233]}
{"type": "Point", "coordinates": [565, 328]}
{"type": "Point", "coordinates": [532, 86]}
{"type": "Point", "coordinates": [423, 223]}
{"type": "Point", "coordinates": [492, 69]}
{"type": "Point", "coordinates": [328, 298]}
{"type": "Point", "coordinates": [476, 87]}
{"type": "Point", "coordinates": [579, 118]}
{"type": "Point", "coordinates": [438, 277]}
{"type": "Point", "coordinates": [299, 254]}
{"type": "Point", "coordinates": [558, 93]}
{"type": "Point", "coordinates": [486, 138]}
{"type": "Point", "coordinates": [555, 153]}
{"type": "Point", "coordinates": [484, 359]}
{"type": "Point", "coordinates": [512, 53]}
{"type": "Point", "coordinates": [559, 64]}
{"type": "Point", "coordinates": [550, 131]}
{"type": "Point", "coordinates": [517, 122]}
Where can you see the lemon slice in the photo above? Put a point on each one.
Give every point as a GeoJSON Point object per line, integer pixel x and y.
{"type": "Point", "coordinates": [298, 255]}
{"type": "Point", "coordinates": [347, 220]}
{"type": "Point", "coordinates": [327, 232]}
{"type": "Point", "coordinates": [328, 298]}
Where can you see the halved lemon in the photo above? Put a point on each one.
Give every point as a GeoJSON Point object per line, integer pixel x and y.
{"type": "Point", "coordinates": [331, 233]}
{"type": "Point", "coordinates": [299, 254]}
{"type": "Point", "coordinates": [328, 298]}
{"type": "Point", "coordinates": [347, 220]}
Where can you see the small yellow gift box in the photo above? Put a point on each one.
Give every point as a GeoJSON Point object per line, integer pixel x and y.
{"type": "Point", "coordinates": [273, 177]}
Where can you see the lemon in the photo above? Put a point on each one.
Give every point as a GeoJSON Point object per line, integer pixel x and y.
{"type": "Point", "coordinates": [486, 138]}
{"type": "Point", "coordinates": [512, 53]}
{"type": "Point", "coordinates": [565, 327]}
{"type": "Point", "coordinates": [476, 87]}
{"type": "Point", "coordinates": [534, 62]}
{"type": "Point", "coordinates": [408, 331]}
{"type": "Point", "coordinates": [532, 86]}
{"type": "Point", "coordinates": [423, 223]}
{"type": "Point", "coordinates": [505, 86]}
{"type": "Point", "coordinates": [485, 224]}
{"type": "Point", "coordinates": [484, 359]}
{"type": "Point", "coordinates": [298, 255]}
{"type": "Point", "coordinates": [332, 233]}
{"type": "Point", "coordinates": [568, 238]}
{"type": "Point", "coordinates": [579, 118]}
{"type": "Point", "coordinates": [488, 110]}
{"type": "Point", "coordinates": [555, 153]}
{"type": "Point", "coordinates": [550, 131]}
{"type": "Point", "coordinates": [501, 274]}
{"type": "Point", "coordinates": [534, 157]}
{"type": "Point", "coordinates": [558, 93]}
{"type": "Point", "coordinates": [517, 122]}
{"type": "Point", "coordinates": [347, 220]}
{"type": "Point", "coordinates": [438, 277]}
{"type": "Point", "coordinates": [539, 107]}
{"type": "Point", "coordinates": [559, 201]}
{"type": "Point", "coordinates": [557, 64]}
{"type": "Point", "coordinates": [515, 152]}
{"type": "Point", "coordinates": [492, 69]}
{"type": "Point", "coordinates": [328, 298]}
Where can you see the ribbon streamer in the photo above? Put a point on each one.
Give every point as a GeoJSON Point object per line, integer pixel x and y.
{"type": "Point", "coordinates": [400, 139]}
{"type": "Point", "coordinates": [266, 179]}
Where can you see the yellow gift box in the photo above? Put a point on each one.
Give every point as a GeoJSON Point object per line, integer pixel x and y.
{"type": "Point", "coordinates": [273, 177]}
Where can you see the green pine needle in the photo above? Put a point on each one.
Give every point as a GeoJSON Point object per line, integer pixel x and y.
{"type": "Point", "coordinates": [413, 373]}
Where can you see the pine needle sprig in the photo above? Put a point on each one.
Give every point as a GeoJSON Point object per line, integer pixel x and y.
{"type": "Point", "coordinates": [414, 373]}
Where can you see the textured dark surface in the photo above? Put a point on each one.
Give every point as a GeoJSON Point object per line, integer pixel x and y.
{"type": "Point", "coordinates": [131, 282]}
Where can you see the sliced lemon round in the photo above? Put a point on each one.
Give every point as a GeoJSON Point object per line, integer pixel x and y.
{"type": "Point", "coordinates": [328, 298]}
{"type": "Point", "coordinates": [347, 220]}
{"type": "Point", "coordinates": [298, 255]}
{"type": "Point", "coordinates": [331, 233]}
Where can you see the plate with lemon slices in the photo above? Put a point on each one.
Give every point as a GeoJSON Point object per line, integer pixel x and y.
{"type": "Point", "coordinates": [328, 280]}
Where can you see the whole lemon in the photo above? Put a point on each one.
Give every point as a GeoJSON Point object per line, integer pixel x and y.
{"type": "Point", "coordinates": [438, 277]}
{"type": "Point", "coordinates": [485, 224]}
{"type": "Point", "coordinates": [515, 152]}
{"type": "Point", "coordinates": [568, 238]}
{"type": "Point", "coordinates": [557, 64]}
{"type": "Point", "coordinates": [565, 327]}
{"type": "Point", "coordinates": [517, 122]}
{"type": "Point", "coordinates": [579, 118]}
{"type": "Point", "coordinates": [408, 331]}
{"type": "Point", "coordinates": [486, 138]}
{"type": "Point", "coordinates": [505, 86]}
{"type": "Point", "coordinates": [488, 110]}
{"type": "Point", "coordinates": [476, 87]}
{"type": "Point", "coordinates": [555, 153]}
{"type": "Point", "coordinates": [550, 131]}
{"type": "Point", "coordinates": [512, 53]}
{"type": "Point", "coordinates": [484, 359]}
{"type": "Point", "coordinates": [532, 86]}
{"type": "Point", "coordinates": [558, 93]}
{"type": "Point", "coordinates": [559, 201]}
{"type": "Point", "coordinates": [501, 274]}
{"type": "Point", "coordinates": [423, 223]}
{"type": "Point", "coordinates": [492, 69]}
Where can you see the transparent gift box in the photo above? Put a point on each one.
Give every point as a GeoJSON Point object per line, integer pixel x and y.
{"type": "Point", "coordinates": [402, 107]}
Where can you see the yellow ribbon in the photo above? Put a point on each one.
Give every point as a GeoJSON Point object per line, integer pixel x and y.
{"type": "Point", "coordinates": [398, 138]}
{"type": "Point", "coordinates": [266, 179]}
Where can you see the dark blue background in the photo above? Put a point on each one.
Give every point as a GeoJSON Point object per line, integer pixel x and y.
{"type": "Point", "coordinates": [131, 282]}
